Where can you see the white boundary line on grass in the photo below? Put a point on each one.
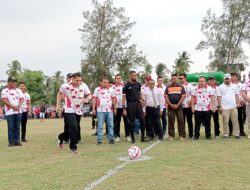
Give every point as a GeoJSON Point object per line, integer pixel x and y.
{"type": "Point", "coordinates": [115, 170]}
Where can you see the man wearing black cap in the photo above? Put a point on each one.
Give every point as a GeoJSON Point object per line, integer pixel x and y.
{"type": "Point", "coordinates": [12, 98]}
{"type": "Point", "coordinates": [65, 134]}
{"type": "Point", "coordinates": [212, 84]}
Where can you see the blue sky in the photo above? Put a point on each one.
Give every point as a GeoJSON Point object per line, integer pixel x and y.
{"type": "Point", "coordinates": [44, 34]}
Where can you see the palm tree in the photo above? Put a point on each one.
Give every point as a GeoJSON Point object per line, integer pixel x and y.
{"type": "Point", "coordinates": [182, 63]}
{"type": "Point", "coordinates": [14, 70]}
{"type": "Point", "coordinates": [56, 81]}
{"type": "Point", "coordinates": [162, 70]}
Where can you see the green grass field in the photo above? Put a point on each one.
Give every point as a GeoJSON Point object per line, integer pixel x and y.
{"type": "Point", "coordinates": [39, 164]}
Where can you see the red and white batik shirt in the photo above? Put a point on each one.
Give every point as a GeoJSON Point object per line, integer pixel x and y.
{"type": "Point", "coordinates": [104, 98]}
{"type": "Point", "coordinates": [203, 97]}
{"type": "Point", "coordinates": [117, 88]}
{"type": "Point", "coordinates": [14, 96]}
{"type": "Point", "coordinates": [188, 89]}
{"type": "Point", "coordinates": [26, 101]}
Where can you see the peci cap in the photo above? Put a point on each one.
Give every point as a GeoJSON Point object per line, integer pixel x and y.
{"type": "Point", "coordinates": [11, 79]}
{"type": "Point", "coordinates": [227, 76]}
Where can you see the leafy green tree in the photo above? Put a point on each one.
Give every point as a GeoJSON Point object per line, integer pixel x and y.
{"type": "Point", "coordinates": [162, 70]}
{"type": "Point", "coordinates": [106, 48]}
{"type": "Point", "coordinates": [225, 35]}
{"type": "Point", "coordinates": [15, 69]}
{"type": "Point", "coordinates": [182, 63]}
{"type": "Point", "coordinates": [148, 69]}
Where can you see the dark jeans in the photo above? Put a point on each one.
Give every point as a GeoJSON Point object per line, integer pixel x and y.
{"type": "Point", "coordinates": [240, 119]}
{"type": "Point", "coordinates": [153, 122]}
{"type": "Point", "coordinates": [171, 120]}
{"type": "Point", "coordinates": [78, 119]}
{"type": "Point", "coordinates": [118, 123]}
{"type": "Point", "coordinates": [66, 129]}
{"type": "Point", "coordinates": [23, 124]}
{"type": "Point", "coordinates": [13, 122]}
{"type": "Point", "coordinates": [71, 121]}
{"type": "Point", "coordinates": [164, 120]}
{"type": "Point", "coordinates": [216, 122]}
{"type": "Point", "coordinates": [134, 110]}
{"type": "Point", "coordinates": [205, 117]}
{"type": "Point", "coordinates": [187, 113]}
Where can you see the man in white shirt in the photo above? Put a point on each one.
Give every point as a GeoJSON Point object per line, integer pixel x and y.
{"type": "Point", "coordinates": [154, 104]}
{"type": "Point", "coordinates": [117, 88]}
{"type": "Point", "coordinates": [186, 104]}
{"type": "Point", "coordinates": [228, 101]}
{"type": "Point", "coordinates": [104, 107]}
{"type": "Point", "coordinates": [212, 84]}
{"type": "Point", "coordinates": [162, 87]}
{"type": "Point", "coordinates": [12, 97]}
{"type": "Point", "coordinates": [246, 96]}
{"type": "Point", "coordinates": [26, 110]}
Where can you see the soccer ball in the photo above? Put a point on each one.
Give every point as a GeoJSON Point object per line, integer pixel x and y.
{"type": "Point", "coordinates": [134, 152]}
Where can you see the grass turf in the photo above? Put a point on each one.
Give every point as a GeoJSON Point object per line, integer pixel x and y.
{"type": "Point", "coordinates": [39, 164]}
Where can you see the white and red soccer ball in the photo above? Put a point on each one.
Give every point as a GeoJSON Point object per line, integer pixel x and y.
{"type": "Point", "coordinates": [134, 152]}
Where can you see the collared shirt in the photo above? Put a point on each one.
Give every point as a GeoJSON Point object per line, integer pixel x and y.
{"type": "Point", "coordinates": [188, 89]}
{"type": "Point", "coordinates": [104, 98]}
{"type": "Point", "coordinates": [246, 88]}
{"type": "Point", "coordinates": [175, 92]}
{"type": "Point", "coordinates": [117, 88]}
{"type": "Point", "coordinates": [132, 91]}
{"type": "Point", "coordinates": [159, 97]}
{"type": "Point", "coordinates": [163, 89]}
{"type": "Point", "coordinates": [203, 97]}
{"type": "Point", "coordinates": [14, 96]}
{"type": "Point", "coordinates": [215, 92]}
{"type": "Point", "coordinates": [26, 101]}
{"type": "Point", "coordinates": [239, 87]}
{"type": "Point", "coordinates": [73, 97]}
{"type": "Point", "coordinates": [143, 87]}
{"type": "Point", "coordinates": [227, 93]}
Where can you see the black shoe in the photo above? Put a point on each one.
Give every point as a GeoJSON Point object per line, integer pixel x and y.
{"type": "Point", "coordinates": [196, 138]}
{"type": "Point", "coordinates": [243, 134]}
{"type": "Point", "coordinates": [208, 138]}
{"type": "Point", "coordinates": [10, 145]}
{"type": "Point", "coordinates": [111, 142]}
{"type": "Point", "coordinates": [133, 141]}
{"type": "Point", "coordinates": [144, 140]}
{"type": "Point", "coordinates": [230, 134]}
{"type": "Point", "coordinates": [18, 144]}
{"type": "Point", "coordinates": [24, 140]}
{"type": "Point", "coordinates": [95, 134]}
{"type": "Point", "coordinates": [99, 142]}
{"type": "Point", "coordinates": [151, 138]}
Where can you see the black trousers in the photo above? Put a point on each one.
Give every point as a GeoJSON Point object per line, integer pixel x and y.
{"type": "Point", "coordinates": [205, 117]}
{"type": "Point", "coordinates": [216, 122]}
{"type": "Point", "coordinates": [187, 113]}
{"type": "Point", "coordinates": [240, 119]}
{"type": "Point", "coordinates": [134, 110]}
{"type": "Point", "coordinates": [72, 122]}
{"type": "Point", "coordinates": [78, 119]}
{"type": "Point", "coordinates": [24, 124]}
{"type": "Point", "coordinates": [153, 122]}
{"type": "Point", "coordinates": [66, 129]}
{"type": "Point", "coordinates": [164, 120]}
{"type": "Point", "coordinates": [117, 123]}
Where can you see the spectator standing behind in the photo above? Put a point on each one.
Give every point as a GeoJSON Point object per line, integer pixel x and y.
{"type": "Point", "coordinates": [228, 101]}
{"type": "Point", "coordinates": [162, 87]}
{"type": "Point", "coordinates": [202, 100]}
{"type": "Point", "coordinates": [26, 110]}
{"type": "Point", "coordinates": [174, 96]}
{"type": "Point", "coordinates": [154, 104]}
{"type": "Point", "coordinates": [104, 100]}
{"type": "Point", "coordinates": [212, 84]}
{"type": "Point", "coordinates": [12, 97]}
{"type": "Point", "coordinates": [246, 96]}
{"type": "Point", "coordinates": [117, 88]}
{"type": "Point", "coordinates": [1, 113]}
{"type": "Point", "coordinates": [42, 112]}
{"type": "Point", "coordinates": [132, 96]}
{"type": "Point", "coordinates": [186, 104]}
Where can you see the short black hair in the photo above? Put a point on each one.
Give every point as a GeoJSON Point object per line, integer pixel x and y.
{"type": "Point", "coordinates": [174, 75]}
{"type": "Point", "coordinates": [104, 78]}
{"type": "Point", "coordinates": [183, 74]}
{"type": "Point", "coordinates": [202, 77]}
{"type": "Point", "coordinates": [21, 82]}
{"type": "Point", "coordinates": [159, 77]}
{"type": "Point", "coordinates": [131, 72]}
{"type": "Point", "coordinates": [77, 74]}
{"type": "Point", "coordinates": [118, 75]}
{"type": "Point", "coordinates": [234, 74]}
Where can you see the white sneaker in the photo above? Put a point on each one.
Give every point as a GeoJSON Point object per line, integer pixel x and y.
{"type": "Point", "coordinates": [117, 139]}
{"type": "Point", "coordinates": [248, 136]}
{"type": "Point", "coordinates": [128, 138]}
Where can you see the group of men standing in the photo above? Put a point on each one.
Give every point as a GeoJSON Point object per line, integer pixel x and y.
{"type": "Point", "coordinates": [150, 103]}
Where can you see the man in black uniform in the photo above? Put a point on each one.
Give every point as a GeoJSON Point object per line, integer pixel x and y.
{"type": "Point", "coordinates": [132, 95]}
